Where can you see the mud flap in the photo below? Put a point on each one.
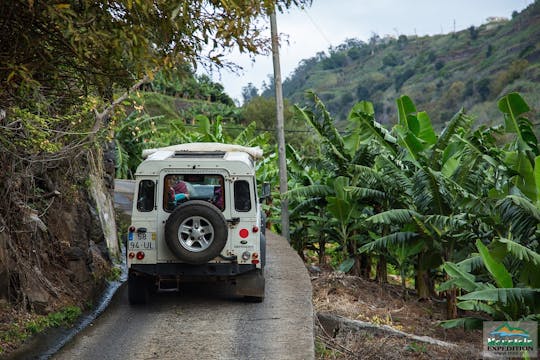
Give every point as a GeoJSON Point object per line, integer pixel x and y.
{"type": "Point", "coordinates": [251, 285]}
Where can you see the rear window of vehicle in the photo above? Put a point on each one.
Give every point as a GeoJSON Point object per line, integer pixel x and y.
{"type": "Point", "coordinates": [242, 196]}
{"type": "Point", "coordinates": [179, 188]}
{"type": "Point", "coordinates": [146, 196]}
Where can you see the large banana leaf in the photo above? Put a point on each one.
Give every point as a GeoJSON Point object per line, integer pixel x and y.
{"type": "Point", "coordinates": [520, 215]}
{"type": "Point", "coordinates": [395, 172]}
{"type": "Point", "coordinates": [361, 193]}
{"type": "Point", "coordinates": [527, 177]}
{"type": "Point", "coordinates": [471, 264]}
{"type": "Point", "coordinates": [459, 120]}
{"type": "Point", "coordinates": [384, 242]}
{"type": "Point", "coordinates": [467, 323]}
{"type": "Point", "coordinates": [323, 124]}
{"type": "Point", "coordinates": [340, 209]}
{"type": "Point", "coordinates": [445, 224]}
{"type": "Point", "coordinates": [459, 278]}
{"type": "Point", "coordinates": [430, 193]}
{"type": "Point", "coordinates": [405, 107]}
{"type": "Point", "coordinates": [497, 270]}
{"type": "Point", "coordinates": [309, 191]}
{"type": "Point", "coordinates": [521, 252]}
{"type": "Point", "coordinates": [409, 142]}
{"type": "Point", "coordinates": [394, 216]}
{"type": "Point", "coordinates": [514, 107]}
{"type": "Point", "coordinates": [473, 305]}
{"type": "Point", "coordinates": [366, 128]}
{"type": "Point", "coordinates": [418, 123]}
{"type": "Point", "coordinates": [526, 296]}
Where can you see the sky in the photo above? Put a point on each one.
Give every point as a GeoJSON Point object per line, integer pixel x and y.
{"type": "Point", "coordinates": [329, 22]}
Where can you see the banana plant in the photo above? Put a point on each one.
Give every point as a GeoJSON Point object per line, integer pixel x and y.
{"type": "Point", "coordinates": [523, 155]}
{"type": "Point", "coordinates": [414, 130]}
{"type": "Point", "coordinates": [499, 295]}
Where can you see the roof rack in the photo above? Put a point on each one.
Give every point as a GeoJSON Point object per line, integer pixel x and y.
{"type": "Point", "coordinates": [199, 154]}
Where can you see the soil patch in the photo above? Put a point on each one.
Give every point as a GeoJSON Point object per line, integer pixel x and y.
{"type": "Point", "coordinates": [359, 299]}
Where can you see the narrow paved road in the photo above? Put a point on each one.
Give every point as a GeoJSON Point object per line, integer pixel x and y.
{"type": "Point", "coordinates": [206, 322]}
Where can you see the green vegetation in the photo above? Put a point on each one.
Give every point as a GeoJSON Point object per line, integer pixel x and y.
{"type": "Point", "coordinates": [493, 59]}
{"type": "Point", "coordinates": [17, 332]}
{"type": "Point", "coordinates": [114, 274]}
{"type": "Point", "coordinates": [458, 210]}
{"type": "Point", "coordinates": [163, 114]}
{"type": "Point", "coordinates": [455, 212]}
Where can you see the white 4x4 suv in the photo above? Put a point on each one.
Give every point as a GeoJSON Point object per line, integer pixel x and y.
{"type": "Point", "coordinates": [196, 217]}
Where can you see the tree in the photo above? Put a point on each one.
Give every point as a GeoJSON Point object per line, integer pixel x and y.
{"type": "Point", "coordinates": [63, 48]}
{"type": "Point", "coordinates": [362, 92]}
{"type": "Point", "coordinates": [262, 111]}
{"type": "Point", "coordinates": [402, 41]}
{"type": "Point", "coordinates": [473, 32]}
{"type": "Point", "coordinates": [483, 88]}
{"type": "Point", "coordinates": [249, 92]}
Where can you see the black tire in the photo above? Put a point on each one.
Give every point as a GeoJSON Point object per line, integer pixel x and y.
{"type": "Point", "coordinates": [196, 232]}
{"type": "Point", "coordinates": [263, 222]}
{"type": "Point", "coordinates": [254, 299]}
{"type": "Point", "coordinates": [138, 293]}
{"type": "Point", "coordinates": [263, 251]}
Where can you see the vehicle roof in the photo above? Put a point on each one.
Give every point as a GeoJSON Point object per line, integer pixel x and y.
{"type": "Point", "coordinates": [234, 161]}
{"type": "Point", "coordinates": [255, 152]}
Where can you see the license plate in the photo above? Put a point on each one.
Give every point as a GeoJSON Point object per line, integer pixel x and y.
{"type": "Point", "coordinates": [141, 245]}
{"type": "Point", "coordinates": [141, 241]}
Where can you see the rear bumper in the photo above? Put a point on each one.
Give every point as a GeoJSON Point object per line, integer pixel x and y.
{"type": "Point", "coordinates": [181, 269]}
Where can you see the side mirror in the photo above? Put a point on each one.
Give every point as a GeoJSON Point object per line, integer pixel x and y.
{"type": "Point", "coordinates": [265, 191]}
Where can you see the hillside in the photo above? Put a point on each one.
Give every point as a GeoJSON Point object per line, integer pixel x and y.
{"type": "Point", "coordinates": [470, 68]}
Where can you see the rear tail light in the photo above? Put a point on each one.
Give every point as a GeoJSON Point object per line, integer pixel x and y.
{"type": "Point", "coordinates": [132, 228]}
{"type": "Point", "coordinates": [244, 233]}
{"type": "Point", "coordinates": [255, 229]}
{"type": "Point", "coordinates": [255, 261]}
{"type": "Point", "coordinates": [140, 255]}
{"type": "Point", "coordinates": [131, 255]}
{"type": "Point", "coordinates": [255, 255]}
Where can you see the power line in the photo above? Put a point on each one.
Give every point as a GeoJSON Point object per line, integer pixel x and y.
{"type": "Point", "coordinates": [256, 129]}
{"type": "Point", "coordinates": [289, 130]}
{"type": "Point", "coordinates": [317, 28]}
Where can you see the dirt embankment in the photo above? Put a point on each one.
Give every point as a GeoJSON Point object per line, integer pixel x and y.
{"type": "Point", "coordinates": [336, 295]}
{"type": "Point", "coordinates": [53, 251]}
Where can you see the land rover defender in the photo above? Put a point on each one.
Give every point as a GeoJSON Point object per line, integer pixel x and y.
{"type": "Point", "coordinates": [197, 217]}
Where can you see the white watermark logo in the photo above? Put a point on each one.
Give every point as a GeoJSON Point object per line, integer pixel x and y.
{"type": "Point", "coordinates": [511, 339]}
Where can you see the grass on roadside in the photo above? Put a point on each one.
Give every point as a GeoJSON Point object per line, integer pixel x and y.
{"type": "Point", "coordinates": [20, 329]}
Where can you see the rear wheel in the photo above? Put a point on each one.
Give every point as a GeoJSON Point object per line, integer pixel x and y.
{"type": "Point", "coordinates": [138, 289]}
{"type": "Point", "coordinates": [196, 232]}
{"type": "Point", "coordinates": [254, 299]}
{"type": "Point", "coordinates": [263, 251]}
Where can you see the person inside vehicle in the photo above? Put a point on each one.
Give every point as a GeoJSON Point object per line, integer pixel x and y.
{"type": "Point", "coordinates": [178, 192]}
{"type": "Point", "coordinates": [218, 194]}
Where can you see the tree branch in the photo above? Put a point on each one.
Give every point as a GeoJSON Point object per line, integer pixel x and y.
{"type": "Point", "coordinates": [100, 116]}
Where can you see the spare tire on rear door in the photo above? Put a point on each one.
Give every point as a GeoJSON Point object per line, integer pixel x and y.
{"type": "Point", "coordinates": [196, 232]}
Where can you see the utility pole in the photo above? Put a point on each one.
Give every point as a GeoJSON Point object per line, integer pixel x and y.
{"type": "Point", "coordinates": [280, 128]}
